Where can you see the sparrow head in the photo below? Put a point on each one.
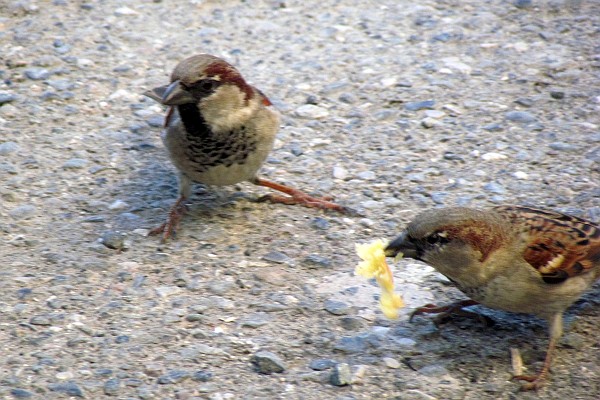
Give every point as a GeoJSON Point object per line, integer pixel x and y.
{"type": "Point", "coordinates": [452, 240]}
{"type": "Point", "coordinates": [218, 90]}
{"type": "Point", "coordinates": [198, 78]}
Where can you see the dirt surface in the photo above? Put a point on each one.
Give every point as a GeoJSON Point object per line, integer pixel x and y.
{"type": "Point", "coordinates": [392, 107]}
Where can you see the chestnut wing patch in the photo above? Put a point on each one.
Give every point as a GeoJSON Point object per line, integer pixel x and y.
{"type": "Point", "coordinates": [562, 246]}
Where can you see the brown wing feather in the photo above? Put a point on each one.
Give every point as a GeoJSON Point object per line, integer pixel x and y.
{"type": "Point", "coordinates": [562, 246]}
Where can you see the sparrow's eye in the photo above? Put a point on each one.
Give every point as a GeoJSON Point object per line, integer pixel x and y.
{"type": "Point", "coordinates": [205, 85]}
{"type": "Point", "coordinates": [438, 238]}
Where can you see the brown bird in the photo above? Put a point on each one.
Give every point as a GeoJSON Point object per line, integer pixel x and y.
{"type": "Point", "coordinates": [510, 258]}
{"type": "Point", "coordinates": [218, 131]}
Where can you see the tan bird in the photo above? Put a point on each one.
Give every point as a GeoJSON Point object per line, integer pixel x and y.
{"type": "Point", "coordinates": [219, 131]}
{"type": "Point", "coordinates": [510, 258]}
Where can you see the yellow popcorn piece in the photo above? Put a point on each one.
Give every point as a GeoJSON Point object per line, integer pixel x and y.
{"type": "Point", "coordinates": [375, 266]}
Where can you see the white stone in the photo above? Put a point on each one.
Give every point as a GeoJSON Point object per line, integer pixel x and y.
{"type": "Point", "coordinates": [340, 172]}
{"type": "Point", "coordinates": [310, 111]}
{"type": "Point", "coordinates": [521, 175]}
{"type": "Point", "coordinates": [391, 362]}
{"type": "Point", "coordinates": [122, 11]}
{"type": "Point", "coordinates": [118, 205]}
{"type": "Point", "coordinates": [491, 156]}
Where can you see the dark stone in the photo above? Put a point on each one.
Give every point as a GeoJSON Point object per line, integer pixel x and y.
{"type": "Point", "coordinates": [267, 362]}
{"type": "Point", "coordinates": [69, 388]}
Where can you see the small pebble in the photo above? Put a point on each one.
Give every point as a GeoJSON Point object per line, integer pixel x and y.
{"type": "Point", "coordinates": [494, 187]}
{"type": "Point", "coordinates": [256, 320]}
{"type": "Point", "coordinates": [337, 307]}
{"type": "Point", "coordinates": [391, 362]}
{"type": "Point", "coordinates": [341, 375]}
{"type": "Point", "coordinates": [319, 223]}
{"type": "Point", "coordinates": [266, 362]}
{"type": "Point", "coordinates": [113, 240]}
{"type": "Point", "coordinates": [276, 257]}
{"type": "Point", "coordinates": [6, 97]}
{"type": "Point", "coordinates": [523, 3]}
{"type": "Point", "coordinates": [340, 173]}
{"type": "Point", "coordinates": [26, 211]}
{"type": "Point", "coordinates": [75, 163]}
{"type": "Point", "coordinates": [311, 111]}
{"type": "Point", "coordinates": [21, 393]}
{"type": "Point", "coordinates": [366, 175]}
{"type": "Point", "coordinates": [37, 74]}
{"type": "Point", "coordinates": [520, 116]}
{"type": "Point", "coordinates": [562, 146]}
{"type": "Point", "coordinates": [173, 376]}
{"type": "Point", "coordinates": [68, 388]}
{"type": "Point", "coordinates": [521, 175]}
{"type": "Point", "coordinates": [316, 261]}
{"type": "Point", "coordinates": [202, 376]}
{"type": "Point", "coordinates": [493, 156]}
{"type": "Point", "coordinates": [557, 95]}
{"type": "Point", "coordinates": [419, 105]}
{"type": "Point", "coordinates": [430, 122]}
{"type": "Point", "coordinates": [321, 364]}
{"type": "Point", "coordinates": [112, 386]}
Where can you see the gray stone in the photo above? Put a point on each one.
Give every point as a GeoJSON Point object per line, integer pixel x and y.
{"type": "Point", "coordinates": [419, 105]}
{"type": "Point", "coordinates": [524, 102]}
{"type": "Point", "coordinates": [68, 388]}
{"type": "Point", "coordinates": [266, 362]}
{"type": "Point", "coordinates": [562, 146]}
{"type": "Point", "coordinates": [321, 364]}
{"type": "Point", "coordinates": [8, 147]}
{"type": "Point", "coordinates": [523, 3]}
{"type": "Point", "coordinates": [36, 74]}
{"type": "Point", "coordinates": [352, 323]}
{"type": "Point", "coordinates": [75, 163]}
{"type": "Point", "coordinates": [494, 187]}
{"type": "Point", "coordinates": [316, 261]}
{"type": "Point", "coordinates": [366, 175]}
{"type": "Point", "coordinates": [351, 344]}
{"type": "Point", "coordinates": [256, 320]}
{"type": "Point", "coordinates": [26, 211]}
{"type": "Point", "coordinates": [319, 223]}
{"type": "Point", "coordinates": [520, 116]}
{"type": "Point", "coordinates": [61, 84]}
{"type": "Point", "coordinates": [173, 376]}
{"type": "Point", "coordinates": [7, 97]}
{"type": "Point", "coordinates": [276, 257]}
{"type": "Point", "coordinates": [337, 307]}
{"type": "Point", "coordinates": [156, 121]}
{"type": "Point", "coordinates": [112, 386]}
{"type": "Point", "coordinates": [21, 393]}
{"type": "Point", "coordinates": [341, 375]}
{"type": "Point", "coordinates": [113, 240]}
{"type": "Point", "coordinates": [202, 376]}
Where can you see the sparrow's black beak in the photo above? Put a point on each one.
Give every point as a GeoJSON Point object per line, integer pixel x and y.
{"type": "Point", "coordinates": [171, 95]}
{"type": "Point", "coordinates": [402, 244]}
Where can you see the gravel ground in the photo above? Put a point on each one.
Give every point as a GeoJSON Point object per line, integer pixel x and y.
{"type": "Point", "coordinates": [390, 106]}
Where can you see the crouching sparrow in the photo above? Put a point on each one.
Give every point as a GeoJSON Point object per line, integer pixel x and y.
{"type": "Point", "coordinates": [510, 258]}
{"type": "Point", "coordinates": [218, 131]}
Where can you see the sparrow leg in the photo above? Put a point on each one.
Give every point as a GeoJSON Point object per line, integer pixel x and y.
{"type": "Point", "coordinates": [177, 211]}
{"type": "Point", "coordinates": [534, 382]}
{"type": "Point", "coordinates": [297, 197]}
{"type": "Point", "coordinates": [175, 214]}
{"type": "Point", "coordinates": [445, 311]}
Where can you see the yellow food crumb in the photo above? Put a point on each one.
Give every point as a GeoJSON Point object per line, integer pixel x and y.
{"type": "Point", "coordinates": [375, 266]}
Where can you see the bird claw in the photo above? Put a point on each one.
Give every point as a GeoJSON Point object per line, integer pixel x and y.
{"type": "Point", "coordinates": [169, 227]}
{"type": "Point", "coordinates": [444, 312]}
{"type": "Point", "coordinates": [532, 382]}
